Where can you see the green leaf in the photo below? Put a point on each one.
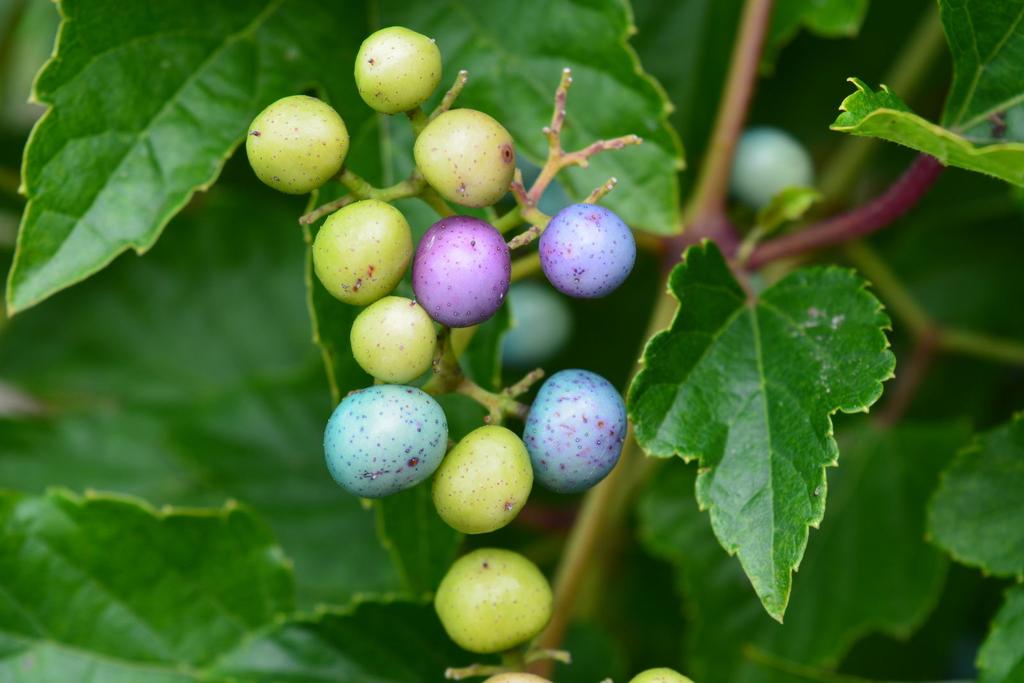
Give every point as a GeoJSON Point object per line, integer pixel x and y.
{"type": "Point", "coordinates": [977, 513]}
{"type": "Point", "coordinates": [882, 114]}
{"type": "Point", "coordinates": [1001, 658]}
{"type": "Point", "coordinates": [789, 205]}
{"type": "Point", "coordinates": [748, 390]}
{"type": "Point", "coordinates": [827, 18]}
{"type": "Point", "coordinates": [187, 377]}
{"type": "Point", "coordinates": [868, 570]}
{"type": "Point", "coordinates": [986, 38]}
{"type": "Point", "coordinates": [103, 588]}
{"type": "Point", "coordinates": [481, 360]}
{"type": "Point", "coordinates": [515, 53]}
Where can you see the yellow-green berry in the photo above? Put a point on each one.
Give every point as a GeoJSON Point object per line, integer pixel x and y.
{"type": "Point", "coordinates": [397, 69]}
{"type": "Point", "coordinates": [362, 251]}
{"type": "Point", "coordinates": [466, 156]}
{"type": "Point", "coordinates": [394, 340]}
{"type": "Point", "coordinates": [484, 481]}
{"type": "Point", "coordinates": [516, 677]}
{"type": "Point", "coordinates": [492, 600]}
{"type": "Point", "coordinates": [297, 144]}
{"type": "Point", "coordinates": [660, 675]}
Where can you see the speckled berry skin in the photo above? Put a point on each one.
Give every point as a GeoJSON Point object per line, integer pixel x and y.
{"type": "Point", "coordinates": [297, 144]}
{"type": "Point", "coordinates": [461, 271]}
{"type": "Point", "coordinates": [362, 251]}
{"type": "Point", "coordinates": [660, 675]}
{"type": "Point", "coordinates": [516, 677]}
{"type": "Point", "coordinates": [484, 481]}
{"type": "Point", "coordinates": [385, 439]}
{"type": "Point", "coordinates": [575, 430]}
{"type": "Point", "coordinates": [587, 251]}
{"type": "Point", "coordinates": [394, 340]}
{"type": "Point", "coordinates": [467, 156]}
{"type": "Point", "coordinates": [397, 69]}
{"type": "Point", "coordinates": [541, 325]}
{"type": "Point", "coordinates": [767, 161]}
{"type": "Point", "coordinates": [491, 600]}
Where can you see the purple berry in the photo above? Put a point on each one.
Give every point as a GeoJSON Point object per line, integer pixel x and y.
{"type": "Point", "coordinates": [586, 251]}
{"type": "Point", "coordinates": [575, 430]}
{"type": "Point", "coordinates": [461, 271]}
{"type": "Point", "coordinates": [385, 439]}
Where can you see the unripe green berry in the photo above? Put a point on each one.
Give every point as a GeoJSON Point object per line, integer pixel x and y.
{"type": "Point", "coordinates": [397, 69]}
{"type": "Point", "coordinates": [467, 156]}
{"type": "Point", "coordinates": [394, 340]}
{"type": "Point", "coordinates": [660, 675]}
{"type": "Point", "coordinates": [491, 600]}
{"type": "Point", "coordinates": [516, 677]}
{"type": "Point", "coordinates": [297, 144]}
{"type": "Point", "coordinates": [362, 251]}
{"type": "Point", "coordinates": [484, 481]}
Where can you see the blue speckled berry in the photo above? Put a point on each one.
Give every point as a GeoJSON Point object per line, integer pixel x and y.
{"type": "Point", "coordinates": [461, 271]}
{"type": "Point", "coordinates": [541, 325]}
{"type": "Point", "coordinates": [575, 430]}
{"type": "Point", "coordinates": [384, 439]}
{"type": "Point", "coordinates": [587, 251]}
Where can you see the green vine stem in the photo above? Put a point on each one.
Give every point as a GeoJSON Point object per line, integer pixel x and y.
{"type": "Point", "coordinates": [453, 92]}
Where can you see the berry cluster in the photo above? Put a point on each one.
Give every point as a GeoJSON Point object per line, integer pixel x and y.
{"type": "Point", "coordinates": [393, 435]}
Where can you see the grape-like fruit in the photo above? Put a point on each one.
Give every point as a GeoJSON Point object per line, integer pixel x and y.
{"type": "Point", "coordinates": [768, 161]}
{"type": "Point", "coordinates": [541, 325]}
{"type": "Point", "coordinates": [484, 481]}
{"type": "Point", "coordinates": [587, 251]}
{"type": "Point", "coordinates": [385, 439]}
{"type": "Point", "coordinates": [394, 340]}
{"type": "Point", "coordinates": [575, 430]}
{"type": "Point", "coordinates": [660, 675]}
{"type": "Point", "coordinates": [491, 600]}
{"type": "Point", "coordinates": [397, 69]}
{"type": "Point", "coordinates": [461, 271]}
{"type": "Point", "coordinates": [296, 144]}
{"type": "Point", "coordinates": [362, 251]}
{"type": "Point", "coordinates": [467, 156]}
{"type": "Point", "coordinates": [516, 677]}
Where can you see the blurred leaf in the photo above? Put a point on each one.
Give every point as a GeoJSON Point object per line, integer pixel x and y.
{"type": "Point", "coordinates": [882, 114]}
{"type": "Point", "coordinates": [977, 513]}
{"type": "Point", "coordinates": [867, 570]}
{"type": "Point", "coordinates": [748, 389]}
{"type": "Point", "coordinates": [515, 53]}
{"type": "Point", "coordinates": [789, 205]}
{"type": "Point", "coordinates": [986, 38]}
{"type": "Point", "coordinates": [187, 377]}
{"type": "Point", "coordinates": [1001, 658]}
{"type": "Point", "coordinates": [102, 588]}
{"type": "Point", "coordinates": [482, 359]}
{"type": "Point", "coordinates": [826, 18]}
{"type": "Point", "coordinates": [146, 101]}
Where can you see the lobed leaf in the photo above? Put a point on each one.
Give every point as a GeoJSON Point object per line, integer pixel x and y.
{"type": "Point", "coordinates": [748, 388]}
{"type": "Point", "coordinates": [1001, 658]}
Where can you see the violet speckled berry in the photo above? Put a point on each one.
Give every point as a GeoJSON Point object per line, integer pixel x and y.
{"type": "Point", "coordinates": [575, 430]}
{"type": "Point", "coordinates": [492, 600]}
{"type": "Point", "coordinates": [461, 271]}
{"type": "Point", "coordinates": [397, 69]}
{"type": "Point", "coordinates": [385, 439]}
{"type": "Point", "coordinates": [296, 144]}
{"type": "Point", "coordinates": [587, 251]}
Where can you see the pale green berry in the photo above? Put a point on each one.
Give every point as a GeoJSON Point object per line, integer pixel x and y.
{"type": "Point", "coordinates": [660, 675]}
{"type": "Point", "coordinates": [484, 481]}
{"type": "Point", "coordinates": [467, 156]}
{"type": "Point", "coordinates": [297, 144]}
{"type": "Point", "coordinates": [397, 69]}
{"type": "Point", "coordinates": [516, 677]}
{"type": "Point", "coordinates": [492, 600]}
{"type": "Point", "coordinates": [362, 251]}
{"type": "Point", "coordinates": [394, 340]}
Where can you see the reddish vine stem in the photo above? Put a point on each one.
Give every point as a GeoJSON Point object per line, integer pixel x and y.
{"type": "Point", "coordinates": [901, 196]}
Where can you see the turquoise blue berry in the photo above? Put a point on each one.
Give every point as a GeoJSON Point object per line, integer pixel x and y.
{"type": "Point", "coordinates": [575, 430]}
{"type": "Point", "coordinates": [385, 439]}
{"type": "Point", "coordinates": [768, 161]}
{"type": "Point", "coordinates": [541, 325]}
